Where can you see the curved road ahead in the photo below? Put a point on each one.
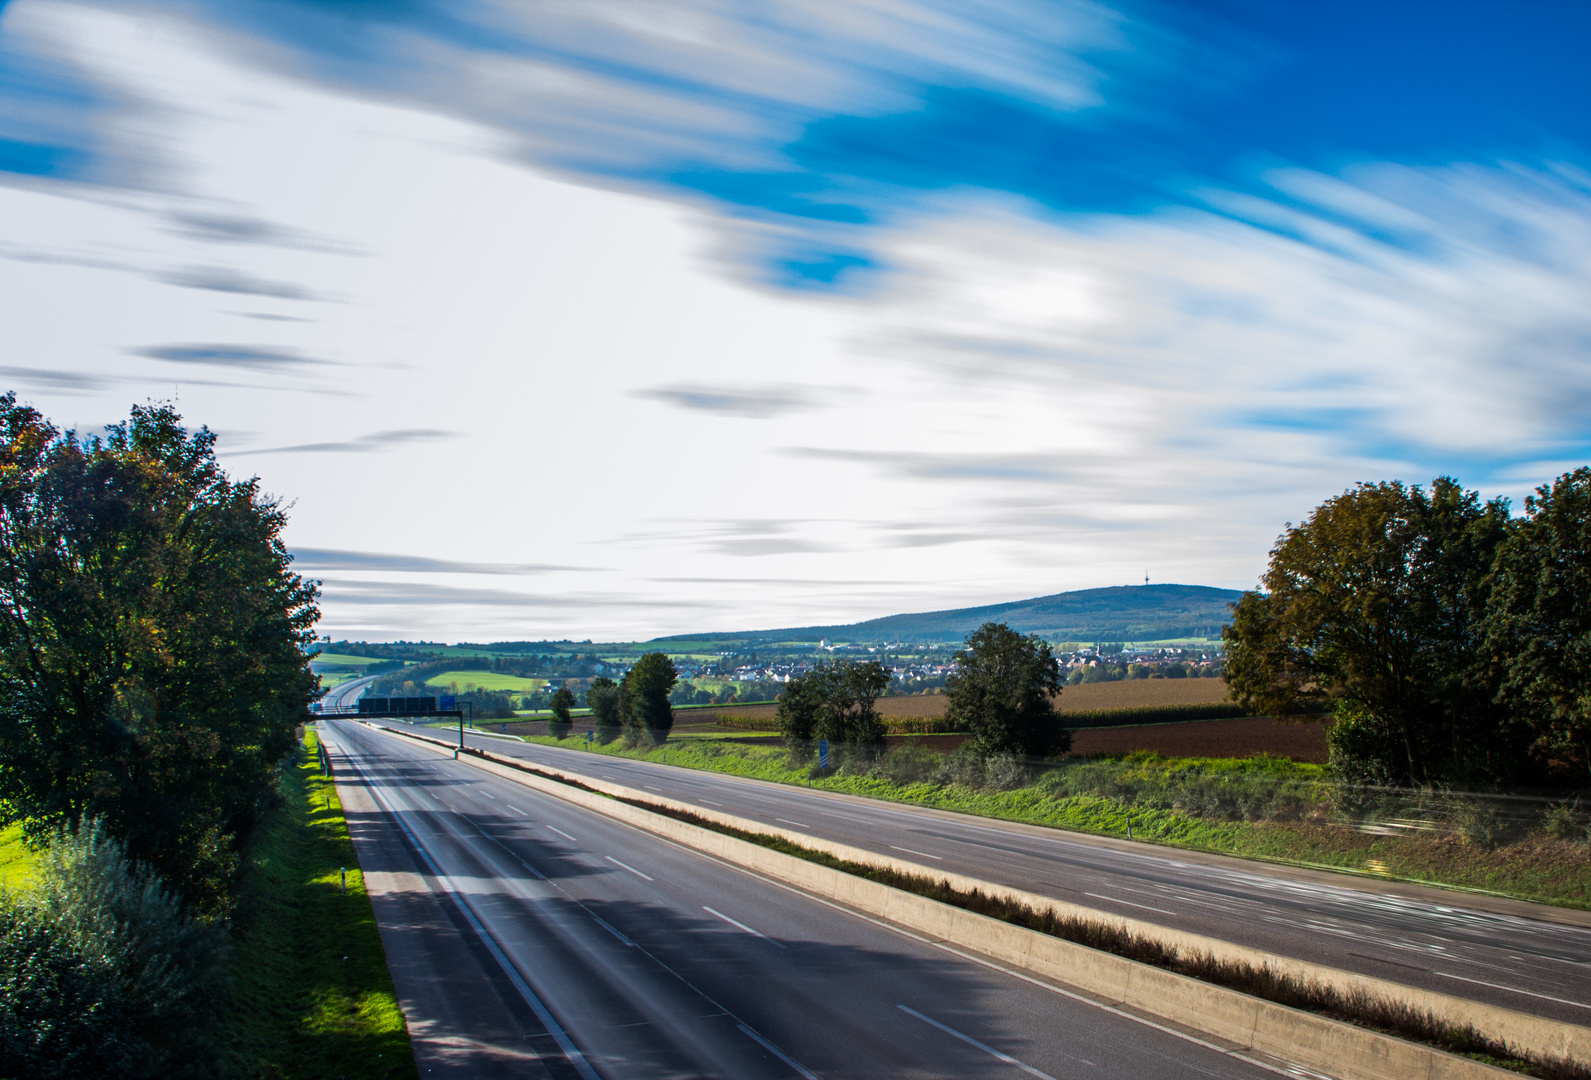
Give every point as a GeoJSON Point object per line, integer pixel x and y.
{"type": "Point", "coordinates": [528, 936]}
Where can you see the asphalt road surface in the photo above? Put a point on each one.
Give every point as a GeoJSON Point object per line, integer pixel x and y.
{"type": "Point", "coordinates": [1520, 956]}
{"type": "Point", "coordinates": [530, 937]}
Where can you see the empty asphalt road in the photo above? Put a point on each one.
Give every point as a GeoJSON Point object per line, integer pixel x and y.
{"type": "Point", "coordinates": [1520, 956]}
{"type": "Point", "coordinates": [531, 937]}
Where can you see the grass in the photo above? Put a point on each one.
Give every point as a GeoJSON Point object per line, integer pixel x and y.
{"type": "Point", "coordinates": [1195, 803]}
{"type": "Point", "coordinates": [486, 680]}
{"type": "Point", "coordinates": [313, 995]}
{"type": "Point", "coordinates": [1355, 1007]}
{"type": "Point", "coordinates": [16, 858]}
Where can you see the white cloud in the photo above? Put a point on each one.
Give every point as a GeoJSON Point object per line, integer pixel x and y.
{"type": "Point", "coordinates": [1026, 402]}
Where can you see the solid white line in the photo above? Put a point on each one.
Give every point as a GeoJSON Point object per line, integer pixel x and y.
{"type": "Point", "coordinates": [747, 929]}
{"type": "Point", "coordinates": [778, 1053]}
{"type": "Point", "coordinates": [1129, 903]}
{"type": "Point", "coordinates": [627, 866]}
{"type": "Point", "coordinates": [560, 1036]}
{"type": "Point", "coordinates": [1516, 990]}
{"type": "Point", "coordinates": [909, 851]}
{"type": "Point", "coordinates": [563, 834]}
{"type": "Point", "coordinates": [604, 924]}
{"type": "Point", "coordinates": [787, 821]}
{"type": "Point", "coordinates": [970, 1041]}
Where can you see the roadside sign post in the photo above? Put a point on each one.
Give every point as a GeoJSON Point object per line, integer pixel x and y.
{"type": "Point", "coordinates": [823, 753]}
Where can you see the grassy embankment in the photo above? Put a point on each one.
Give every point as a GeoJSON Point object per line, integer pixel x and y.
{"type": "Point", "coordinates": [313, 995]}
{"type": "Point", "coordinates": [485, 680]}
{"type": "Point", "coordinates": [1259, 808]}
{"type": "Point", "coordinates": [16, 859]}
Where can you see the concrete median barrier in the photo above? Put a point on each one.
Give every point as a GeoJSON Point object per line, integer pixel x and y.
{"type": "Point", "coordinates": [1313, 1041]}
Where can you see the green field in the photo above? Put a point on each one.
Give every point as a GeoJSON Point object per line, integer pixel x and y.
{"type": "Point", "coordinates": [331, 659]}
{"type": "Point", "coordinates": [486, 680]}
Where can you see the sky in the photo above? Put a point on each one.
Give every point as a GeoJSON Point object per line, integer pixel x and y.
{"type": "Point", "coordinates": [611, 319]}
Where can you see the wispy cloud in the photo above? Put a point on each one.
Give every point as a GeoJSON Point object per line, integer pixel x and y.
{"type": "Point", "coordinates": [80, 382]}
{"type": "Point", "coordinates": [335, 559]}
{"type": "Point", "coordinates": [254, 357]}
{"type": "Point", "coordinates": [375, 442]}
{"type": "Point", "coordinates": [225, 228]}
{"type": "Point", "coordinates": [754, 403]}
{"type": "Point", "coordinates": [229, 280]}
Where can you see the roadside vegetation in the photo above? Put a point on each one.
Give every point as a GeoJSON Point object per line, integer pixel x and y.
{"type": "Point", "coordinates": [165, 906]}
{"type": "Point", "coordinates": [312, 995]}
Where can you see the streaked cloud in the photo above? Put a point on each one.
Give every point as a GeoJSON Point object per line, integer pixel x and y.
{"type": "Point", "coordinates": [254, 357]}
{"type": "Point", "coordinates": [229, 280]}
{"type": "Point", "coordinates": [754, 403]}
{"type": "Point", "coordinates": [375, 442]}
{"type": "Point", "coordinates": [330, 559]}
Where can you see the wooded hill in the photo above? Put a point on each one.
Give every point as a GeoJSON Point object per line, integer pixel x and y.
{"type": "Point", "coordinates": [1121, 613]}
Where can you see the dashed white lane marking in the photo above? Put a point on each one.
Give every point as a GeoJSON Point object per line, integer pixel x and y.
{"type": "Point", "coordinates": [1129, 903]}
{"type": "Point", "coordinates": [747, 929]}
{"type": "Point", "coordinates": [970, 1041]}
{"type": "Point", "coordinates": [563, 834]}
{"type": "Point", "coordinates": [909, 851]}
{"type": "Point", "coordinates": [627, 866]}
{"type": "Point", "coordinates": [799, 824]}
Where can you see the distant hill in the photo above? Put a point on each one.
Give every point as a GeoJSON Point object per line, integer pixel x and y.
{"type": "Point", "coordinates": [1121, 613]}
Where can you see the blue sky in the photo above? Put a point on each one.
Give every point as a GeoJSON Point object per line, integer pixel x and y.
{"type": "Point", "coordinates": [718, 315]}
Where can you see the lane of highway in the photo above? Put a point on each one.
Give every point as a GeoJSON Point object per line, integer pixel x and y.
{"type": "Point", "coordinates": [1424, 938]}
{"type": "Point", "coordinates": [654, 961]}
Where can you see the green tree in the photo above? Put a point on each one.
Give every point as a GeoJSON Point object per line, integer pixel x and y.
{"type": "Point", "coordinates": [152, 642]}
{"type": "Point", "coordinates": [1539, 625]}
{"type": "Point", "coordinates": [562, 701]}
{"type": "Point", "coordinates": [835, 701]}
{"type": "Point", "coordinates": [1378, 600]}
{"type": "Point", "coordinates": [643, 699]}
{"type": "Point", "coordinates": [603, 701]}
{"type": "Point", "coordinates": [1003, 691]}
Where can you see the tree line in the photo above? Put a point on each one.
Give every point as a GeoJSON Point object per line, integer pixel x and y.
{"type": "Point", "coordinates": [1450, 640]}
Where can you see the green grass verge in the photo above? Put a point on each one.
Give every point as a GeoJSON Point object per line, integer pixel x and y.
{"type": "Point", "coordinates": [16, 858]}
{"type": "Point", "coordinates": [313, 995]}
{"type": "Point", "coordinates": [1537, 867]}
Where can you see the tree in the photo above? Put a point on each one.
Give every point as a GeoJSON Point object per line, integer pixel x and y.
{"type": "Point", "coordinates": [834, 701]}
{"type": "Point", "coordinates": [603, 701]}
{"type": "Point", "coordinates": [1377, 600]}
{"type": "Point", "coordinates": [1003, 691]}
{"type": "Point", "coordinates": [1539, 625]}
{"type": "Point", "coordinates": [152, 637]}
{"type": "Point", "coordinates": [562, 702]}
{"type": "Point", "coordinates": [643, 699]}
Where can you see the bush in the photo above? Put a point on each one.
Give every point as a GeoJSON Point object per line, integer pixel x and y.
{"type": "Point", "coordinates": [1566, 821]}
{"type": "Point", "coordinates": [909, 764]}
{"type": "Point", "coordinates": [963, 766]}
{"type": "Point", "coordinates": [101, 972]}
{"type": "Point", "coordinates": [1005, 771]}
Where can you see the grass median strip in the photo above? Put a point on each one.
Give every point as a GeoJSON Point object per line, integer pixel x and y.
{"type": "Point", "coordinates": [313, 994]}
{"type": "Point", "coordinates": [1354, 1007]}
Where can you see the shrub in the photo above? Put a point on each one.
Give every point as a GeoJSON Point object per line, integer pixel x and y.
{"type": "Point", "coordinates": [909, 764]}
{"type": "Point", "coordinates": [101, 972]}
{"type": "Point", "coordinates": [1566, 821]}
{"type": "Point", "coordinates": [1005, 771]}
{"type": "Point", "coordinates": [963, 766]}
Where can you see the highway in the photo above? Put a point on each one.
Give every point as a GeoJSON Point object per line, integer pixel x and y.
{"type": "Point", "coordinates": [1505, 953]}
{"type": "Point", "coordinates": [570, 945]}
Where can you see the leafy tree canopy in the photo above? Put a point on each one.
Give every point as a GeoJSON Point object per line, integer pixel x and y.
{"type": "Point", "coordinates": [1004, 690]}
{"type": "Point", "coordinates": [1379, 599]}
{"type": "Point", "coordinates": [152, 637]}
{"type": "Point", "coordinates": [834, 700]}
{"type": "Point", "coordinates": [644, 698]}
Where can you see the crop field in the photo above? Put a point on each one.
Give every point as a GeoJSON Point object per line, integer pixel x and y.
{"type": "Point", "coordinates": [330, 659]}
{"type": "Point", "coordinates": [1247, 736]}
{"type": "Point", "coordinates": [486, 680]}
